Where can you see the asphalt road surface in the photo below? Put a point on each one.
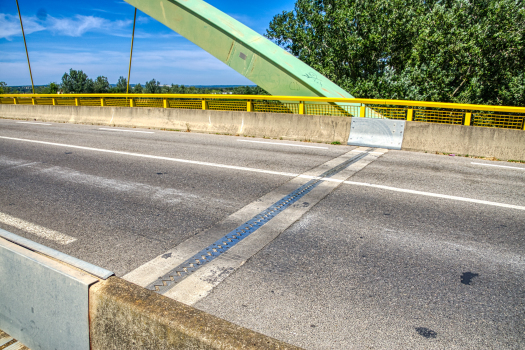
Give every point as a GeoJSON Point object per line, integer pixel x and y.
{"type": "Point", "coordinates": [396, 250]}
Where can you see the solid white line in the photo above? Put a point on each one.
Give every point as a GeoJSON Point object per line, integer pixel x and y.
{"type": "Point", "coordinates": [437, 195]}
{"type": "Point", "coordinates": [499, 166]}
{"type": "Point", "coordinates": [282, 144]}
{"type": "Point", "coordinates": [155, 157]}
{"type": "Point", "coordinates": [429, 194]}
{"type": "Point", "coordinates": [36, 230]}
{"type": "Point", "coordinates": [144, 132]}
{"type": "Point", "coordinates": [33, 123]}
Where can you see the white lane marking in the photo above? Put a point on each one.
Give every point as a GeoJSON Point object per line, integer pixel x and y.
{"type": "Point", "coordinates": [499, 166]}
{"type": "Point", "coordinates": [360, 151]}
{"type": "Point", "coordinates": [429, 194]}
{"type": "Point", "coordinates": [36, 229]}
{"type": "Point", "coordinates": [200, 283]}
{"type": "Point", "coordinates": [33, 123]}
{"type": "Point", "coordinates": [233, 167]}
{"type": "Point", "coordinates": [15, 346]}
{"type": "Point", "coordinates": [282, 144]}
{"type": "Point", "coordinates": [5, 340]}
{"type": "Point", "coordinates": [437, 195]}
{"type": "Point", "coordinates": [144, 132]}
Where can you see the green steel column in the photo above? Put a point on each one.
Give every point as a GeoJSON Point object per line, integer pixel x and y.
{"type": "Point", "coordinates": [246, 51]}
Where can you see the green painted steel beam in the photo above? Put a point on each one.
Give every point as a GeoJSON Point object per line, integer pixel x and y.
{"type": "Point", "coordinates": [241, 48]}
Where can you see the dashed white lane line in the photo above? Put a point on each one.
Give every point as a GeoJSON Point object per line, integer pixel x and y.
{"type": "Point", "coordinates": [33, 123]}
{"type": "Point", "coordinates": [283, 144]}
{"type": "Point", "coordinates": [143, 132]}
{"type": "Point", "coordinates": [233, 167]}
{"type": "Point", "coordinates": [36, 229]}
{"type": "Point", "coordinates": [499, 166]}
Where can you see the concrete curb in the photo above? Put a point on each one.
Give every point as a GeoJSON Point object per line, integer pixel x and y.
{"type": "Point", "coordinates": [126, 316]}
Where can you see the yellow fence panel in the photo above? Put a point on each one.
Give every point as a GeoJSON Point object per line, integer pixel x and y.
{"type": "Point", "coordinates": [90, 102]}
{"type": "Point", "coordinates": [185, 104]}
{"type": "Point", "coordinates": [440, 117]}
{"type": "Point", "coordinates": [332, 110]}
{"type": "Point", "coordinates": [25, 101]}
{"type": "Point", "coordinates": [149, 102]}
{"type": "Point", "coordinates": [275, 107]}
{"type": "Point", "coordinates": [44, 101]}
{"type": "Point", "coordinates": [505, 121]}
{"type": "Point", "coordinates": [65, 101]}
{"type": "Point", "coordinates": [220, 105]}
{"type": "Point", "coordinates": [117, 102]}
{"type": "Point", "coordinates": [390, 112]}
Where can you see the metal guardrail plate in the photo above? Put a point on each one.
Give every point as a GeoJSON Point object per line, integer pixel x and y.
{"type": "Point", "coordinates": [382, 133]}
{"type": "Point", "coordinates": [43, 303]}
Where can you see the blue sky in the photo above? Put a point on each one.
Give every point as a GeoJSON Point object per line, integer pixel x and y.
{"type": "Point", "coordinates": [95, 36]}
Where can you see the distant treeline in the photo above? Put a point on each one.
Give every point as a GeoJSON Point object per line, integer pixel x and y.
{"type": "Point", "coordinates": [77, 82]}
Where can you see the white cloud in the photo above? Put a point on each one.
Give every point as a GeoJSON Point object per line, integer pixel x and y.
{"type": "Point", "coordinates": [73, 26]}
{"type": "Point", "coordinates": [78, 25]}
{"type": "Point", "coordinates": [10, 26]}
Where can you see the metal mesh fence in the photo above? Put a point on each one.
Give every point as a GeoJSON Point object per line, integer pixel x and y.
{"type": "Point", "coordinates": [438, 116]}
{"type": "Point", "coordinates": [505, 121]}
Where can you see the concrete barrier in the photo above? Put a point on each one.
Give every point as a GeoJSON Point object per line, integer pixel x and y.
{"type": "Point", "coordinates": [126, 316]}
{"type": "Point", "coordinates": [43, 303]}
{"type": "Point", "coordinates": [47, 304]}
{"type": "Point", "coordinates": [459, 139]}
{"type": "Point", "coordinates": [274, 125]}
{"type": "Point", "coordinates": [503, 144]}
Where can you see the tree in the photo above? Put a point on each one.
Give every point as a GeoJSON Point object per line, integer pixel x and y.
{"type": "Point", "coordinates": [53, 88]}
{"type": "Point", "coordinates": [122, 84]}
{"type": "Point", "coordinates": [76, 82]}
{"type": "Point", "coordinates": [137, 89]}
{"type": "Point", "coordinates": [152, 87]}
{"type": "Point", "coordinates": [4, 89]}
{"type": "Point", "coordinates": [433, 50]}
{"type": "Point", "coordinates": [101, 85]}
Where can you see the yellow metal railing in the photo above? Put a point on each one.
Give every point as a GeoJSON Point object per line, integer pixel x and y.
{"type": "Point", "coordinates": [430, 112]}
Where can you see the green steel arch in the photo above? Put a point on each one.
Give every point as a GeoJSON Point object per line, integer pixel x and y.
{"type": "Point", "coordinates": [241, 48]}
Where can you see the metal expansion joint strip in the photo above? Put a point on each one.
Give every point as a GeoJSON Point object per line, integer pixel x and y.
{"type": "Point", "coordinates": [170, 279]}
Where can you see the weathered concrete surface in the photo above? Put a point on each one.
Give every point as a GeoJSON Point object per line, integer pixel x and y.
{"type": "Point", "coordinates": [503, 144]}
{"type": "Point", "coordinates": [126, 316]}
{"type": "Point", "coordinates": [274, 125]}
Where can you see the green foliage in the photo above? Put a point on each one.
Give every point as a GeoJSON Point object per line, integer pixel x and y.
{"type": "Point", "coordinates": [53, 88]}
{"type": "Point", "coordinates": [4, 89]}
{"type": "Point", "coordinates": [122, 85]}
{"type": "Point", "coordinates": [76, 82]}
{"type": "Point", "coordinates": [137, 89]}
{"type": "Point", "coordinates": [432, 50]}
{"type": "Point", "coordinates": [152, 87]}
{"type": "Point", "coordinates": [249, 90]}
{"type": "Point", "coordinates": [101, 85]}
